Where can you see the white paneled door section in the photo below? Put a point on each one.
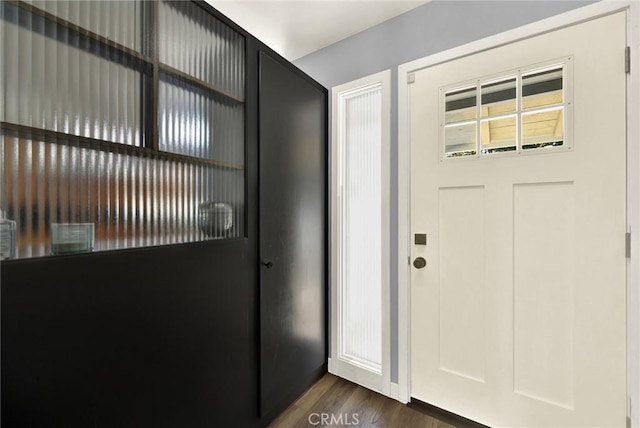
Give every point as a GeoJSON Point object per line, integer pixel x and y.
{"type": "Point", "coordinates": [360, 232]}
{"type": "Point", "coordinates": [518, 318]}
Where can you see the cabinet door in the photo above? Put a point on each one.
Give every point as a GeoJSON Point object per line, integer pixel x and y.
{"type": "Point", "coordinates": [292, 151]}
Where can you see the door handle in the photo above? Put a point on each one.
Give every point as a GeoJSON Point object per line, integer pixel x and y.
{"type": "Point", "coordinates": [268, 265]}
{"type": "Point", "coordinates": [419, 263]}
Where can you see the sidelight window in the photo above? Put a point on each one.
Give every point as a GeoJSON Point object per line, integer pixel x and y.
{"type": "Point", "coordinates": [360, 230]}
{"type": "Point", "coordinates": [523, 111]}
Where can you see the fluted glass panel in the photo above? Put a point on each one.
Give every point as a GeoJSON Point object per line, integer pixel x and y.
{"type": "Point", "coordinates": [360, 229]}
{"type": "Point", "coordinates": [57, 80]}
{"type": "Point", "coordinates": [79, 152]}
{"type": "Point", "coordinates": [200, 123]}
{"type": "Point", "coordinates": [199, 45]}
{"type": "Point", "coordinates": [116, 20]}
{"type": "Point", "coordinates": [132, 201]}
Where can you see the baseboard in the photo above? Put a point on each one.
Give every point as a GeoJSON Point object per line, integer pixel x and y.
{"type": "Point", "coordinates": [444, 415]}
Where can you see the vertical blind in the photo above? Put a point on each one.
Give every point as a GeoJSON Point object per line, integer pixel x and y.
{"type": "Point", "coordinates": [360, 229]}
{"type": "Point", "coordinates": [128, 115]}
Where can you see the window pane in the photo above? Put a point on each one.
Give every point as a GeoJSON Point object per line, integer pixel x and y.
{"type": "Point", "coordinates": [199, 123]}
{"type": "Point", "coordinates": [116, 20]}
{"type": "Point", "coordinates": [499, 97]}
{"type": "Point", "coordinates": [360, 237]}
{"type": "Point", "coordinates": [57, 81]}
{"type": "Point", "coordinates": [133, 201]}
{"type": "Point", "coordinates": [542, 89]}
{"type": "Point", "coordinates": [543, 129]}
{"type": "Point", "coordinates": [460, 105]}
{"type": "Point", "coordinates": [498, 135]}
{"type": "Point", "coordinates": [200, 45]}
{"type": "Point", "coordinates": [460, 140]}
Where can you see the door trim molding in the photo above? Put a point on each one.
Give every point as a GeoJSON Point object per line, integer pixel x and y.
{"type": "Point", "coordinates": [336, 366]}
{"type": "Point", "coordinates": [577, 16]}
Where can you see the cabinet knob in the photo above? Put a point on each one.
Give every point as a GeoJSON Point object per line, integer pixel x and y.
{"type": "Point", "coordinates": [268, 265]}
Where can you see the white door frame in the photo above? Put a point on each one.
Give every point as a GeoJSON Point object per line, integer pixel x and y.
{"type": "Point", "coordinates": [586, 13]}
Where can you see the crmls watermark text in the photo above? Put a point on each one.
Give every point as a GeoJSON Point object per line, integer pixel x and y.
{"type": "Point", "coordinates": [340, 419]}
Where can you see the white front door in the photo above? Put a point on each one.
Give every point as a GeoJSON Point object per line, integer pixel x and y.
{"type": "Point", "coordinates": [518, 175]}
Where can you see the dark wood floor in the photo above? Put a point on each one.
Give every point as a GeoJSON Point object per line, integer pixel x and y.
{"type": "Point", "coordinates": [342, 399]}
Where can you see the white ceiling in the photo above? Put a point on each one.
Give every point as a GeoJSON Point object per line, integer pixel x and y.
{"type": "Point", "coordinates": [294, 28]}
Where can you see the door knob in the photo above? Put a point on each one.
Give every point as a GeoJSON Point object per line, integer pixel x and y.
{"type": "Point", "coordinates": [419, 263]}
{"type": "Point", "coordinates": [268, 265]}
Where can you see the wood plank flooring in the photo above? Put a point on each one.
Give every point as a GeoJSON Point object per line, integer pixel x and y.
{"type": "Point", "coordinates": [350, 405]}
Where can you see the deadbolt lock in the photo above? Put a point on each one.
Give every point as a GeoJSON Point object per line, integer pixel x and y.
{"type": "Point", "coordinates": [419, 263]}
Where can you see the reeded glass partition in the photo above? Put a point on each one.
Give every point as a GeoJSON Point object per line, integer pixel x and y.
{"type": "Point", "coordinates": [199, 45]}
{"type": "Point", "coordinates": [122, 126]}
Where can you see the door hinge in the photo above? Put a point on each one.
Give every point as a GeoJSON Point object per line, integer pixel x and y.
{"type": "Point", "coordinates": [627, 59]}
{"type": "Point", "coordinates": [627, 245]}
{"type": "Point", "coordinates": [628, 422]}
{"type": "Point", "coordinates": [411, 78]}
